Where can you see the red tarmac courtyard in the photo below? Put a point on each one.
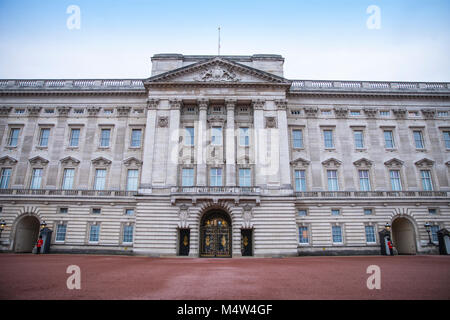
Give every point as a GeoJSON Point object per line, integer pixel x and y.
{"type": "Point", "coordinates": [29, 276]}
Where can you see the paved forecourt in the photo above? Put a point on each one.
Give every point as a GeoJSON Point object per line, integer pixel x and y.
{"type": "Point", "coordinates": [28, 276]}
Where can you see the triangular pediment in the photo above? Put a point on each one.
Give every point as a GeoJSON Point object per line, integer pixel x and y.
{"type": "Point", "coordinates": [7, 160]}
{"type": "Point", "coordinates": [38, 160]}
{"type": "Point", "coordinates": [394, 162]}
{"type": "Point", "coordinates": [300, 162]}
{"type": "Point", "coordinates": [100, 161]}
{"type": "Point", "coordinates": [332, 162]}
{"type": "Point", "coordinates": [363, 162]}
{"type": "Point", "coordinates": [217, 70]}
{"type": "Point", "coordinates": [132, 161]}
{"type": "Point", "coordinates": [69, 161]}
{"type": "Point", "coordinates": [424, 163]}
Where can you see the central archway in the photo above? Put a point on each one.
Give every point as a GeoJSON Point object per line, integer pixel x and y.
{"type": "Point", "coordinates": [215, 234]}
{"type": "Point", "coordinates": [27, 232]}
{"type": "Point", "coordinates": [403, 236]}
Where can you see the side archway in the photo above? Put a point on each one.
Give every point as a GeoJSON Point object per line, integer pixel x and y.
{"type": "Point", "coordinates": [26, 233]}
{"type": "Point", "coordinates": [404, 235]}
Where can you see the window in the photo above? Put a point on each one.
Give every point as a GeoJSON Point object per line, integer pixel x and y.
{"type": "Point", "coordinates": [359, 139]}
{"type": "Point", "coordinates": [426, 180]}
{"type": "Point", "coordinates": [13, 137]}
{"type": "Point", "coordinates": [104, 138]}
{"type": "Point", "coordinates": [20, 111]}
{"type": "Point", "coordinates": [385, 113]}
{"type": "Point", "coordinates": [63, 210]}
{"type": "Point", "coordinates": [100, 179]}
{"type": "Point", "coordinates": [216, 136]}
{"type": "Point", "coordinates": [216, 177]}
{"type": "Point", "coordinates": [245, 177]}
{"type": "Point", "coordinates": [389, 139]}
{"type": "Point", "coordinates": [43, 138]}
{"type": "Point", "coordinates": [132, 180]}
{"type": "Point", "coordinates": [364, 182]}
{"type": "Point", "coordinates": [432, 211]}
{"type": "Point", "coordinates": [5, 178]}
{"type": "Point", "coordinates": [74, 137]}
{"type": "Point", "coordinates": [136, 138]}
{"type": "Point", "coordinates": [395, 180]}
{"type": "Point", "coordinates": [297, 139]}
{"type": "Point", "coordinates": [129, 212]}
{"type": "Point", "coordinates": [442, 114]}
{"type": "Point", "coordinates": [94, 233]}
{"type": "Point", "coordinates": [96, 210]}
{"type": "Point", "coordinates": [302, 212]}
{"type": "Point", "coordinates": [78, 111]}
{"type": "Point", "coordinates": [418, 139]}
{"type": "Point", "coordinates": [447, 139]}
{"type": "Point", "coordinates": [335, 212]}
{"type": "Point", "coordinates": [368, 212]}
{"type": "Point", "coordinates": [434, 231]}
{"type": "Point", "coordinates": [303, 235]}
{"type": "Point", "coordinates": [328, 139]}
{"type": "Point", "coordinates": [189, 136]}
{"type": "Point", "coordinates": [332, 180]}
{"type": "Point", "coordinates": [327, 112]}
{"type": "Point", "coordinates": [108, 111]}
{"type": "Point", "coordinates": [244, 137]}
{"type": "Point", "coordinates": [36, 178]}
{"type": "Point", "coordinates": [355, 113]}
{"type": "Point", "coordinates": [127, 234]}
{"type": "Point", "coordinates": [337, 234]}
{"type": "Point", "coordinates": [68, 179]}
{"type": "Point", "coordinates": [49, 110]}
{"type": "Point", "coordinates": [187, 179]}
{"type": "Point", "coordinates": [61, 232]}
{"type": "Point", "coordinates": [370, 234]}
{"type": "Point", "coordinates": [300, 180]}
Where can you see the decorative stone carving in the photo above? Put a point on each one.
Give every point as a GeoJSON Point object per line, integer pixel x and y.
{"type": "Point", "coordinates": [429, 113]}
{"type": "Point", "coordinates": [7, 160]}
{"type": "Point", "coordinates": [69, 161]}
{"type": "Point", "coordinates": [370, 112]}
{"type": "Point", "coordinates": [331, 163]}
{"type": "Point", "coordinates": [63, 110]}
{"type": "Point", "coordinates": [341, 112]}
{"type": "Point", "coordinates": [217, 73]}
{"type": "Point", "coordinates": [132, 161]}
{"type": "Point", "coordinates": [163, 121]}
{"type": "Point", "coordinates": [363, 163]}
{"type": "Point", "coordinates": [100, 161]}
{"type": "Point", "coordinates": [34, 110]}
{"type": "Point", "coordinates": [230, 104]}
{"type": "Point", "coordinates": [393, 163]}
{"type": "Point", "coordinates": [271, 122]}
{"type": "Point", "coordinates": [247, 217]}
{"type": "Point", "coordinates": [93, 111]}
{"type": "Point", "coordinates": [202, 103]}
{"type": "Point", "coordinates": [175, 104]}
{"type": "Point", "coordinates": [399, 113]}
{"type": "Point", "coordinates": [281, 104]}
{"type": "Point", "coordinates": [243, 160]}
{"type": "Point", "coordinates": [311, 112]}
{"type": "Point", "coordinates": [424, 163]}
{"type": "Point", "coordinates": [152, 103]}
{"type": "Point", "coordinates": [123, 111]}
{"type": "Point", "coordinates": [258, 104]}
{"type": "Point", "coordinates": [38, 160]}
{"type": "Point", "coordinates": [183, 215]}
{"type": "Point", "coordinates": [300, 162]}
{"type": "Point", "coordinates": [5, 110]}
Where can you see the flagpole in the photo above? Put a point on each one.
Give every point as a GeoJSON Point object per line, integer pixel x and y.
{"type": "Point", "coordinates": [218, 49]}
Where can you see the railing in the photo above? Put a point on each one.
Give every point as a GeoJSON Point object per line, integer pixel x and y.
{"type": "Point", "coordinates": [314, 85]}
{"type": "Point", "coordinates": [72, 193]}
{"type": "Point", "coordinates": [74, 84]}
{"type": "Point", "coordinates": [216, 190]}
{"type": "Point", "coordinates": [372, 194]}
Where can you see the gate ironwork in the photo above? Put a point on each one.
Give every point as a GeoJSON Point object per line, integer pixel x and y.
{"type": "Point", "coordinates": [215, 239]}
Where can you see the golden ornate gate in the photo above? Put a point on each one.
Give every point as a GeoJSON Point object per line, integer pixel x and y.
{"type": "Point", "coordinates": [215, 236]}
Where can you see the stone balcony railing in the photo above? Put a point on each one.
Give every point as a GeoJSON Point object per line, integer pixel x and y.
{"type": "Point", "coordinates": [72, 85]}
{"type": "Point", "coordinates": [369, 86]}
{"type": "Point", "coordinates": [373, 194]}
{"type": "Point", "coordinates": [216, 190]}
{"type": "Point", "coordinates": [69, 193]}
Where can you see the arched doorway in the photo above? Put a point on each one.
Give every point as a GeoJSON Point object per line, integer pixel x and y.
{"type": "Point", "coordinates": [403, 236]}
{"type": "Point", "coordinates": [215, 234]}
{"type": "Point", "coordinates": [27, 232]}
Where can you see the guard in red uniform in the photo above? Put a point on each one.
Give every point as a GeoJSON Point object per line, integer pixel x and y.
{"type": "Point", "coordinates": [391, 250]}
{"type": "Point", "coordinates": [39, 244]}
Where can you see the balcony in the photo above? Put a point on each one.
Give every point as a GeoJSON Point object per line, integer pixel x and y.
{"type": "Point", "coordinates": [372, 194]}
{"type": "Point", "coordinates": [217, 190]}
{"type": "Point", "coordinates": [67, 193]}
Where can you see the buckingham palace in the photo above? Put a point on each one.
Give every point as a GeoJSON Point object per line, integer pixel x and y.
{"type": "Point", "coordinates": [222, 156]}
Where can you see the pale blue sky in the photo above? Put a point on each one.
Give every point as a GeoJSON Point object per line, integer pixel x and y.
{"type": "Point", "coordinates": [320, 39]}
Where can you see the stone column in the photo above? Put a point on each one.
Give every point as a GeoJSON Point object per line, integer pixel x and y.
{"type": "Point", "coordinates": [229, 144]}
{"type": "Point", "coordinates": [201, 143]}
{"type": "Point", "coordinates": [174, 141]}
{"type": "Point", "coordinates": [285, 179]}
{"type": "Point", "coordinates": [260, 150]}
{"type": "Point", "coordinates": [149, 141]}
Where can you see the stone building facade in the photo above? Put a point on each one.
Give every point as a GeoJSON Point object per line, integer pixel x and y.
{"type": "Point", "coordinates": [220, 156]}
